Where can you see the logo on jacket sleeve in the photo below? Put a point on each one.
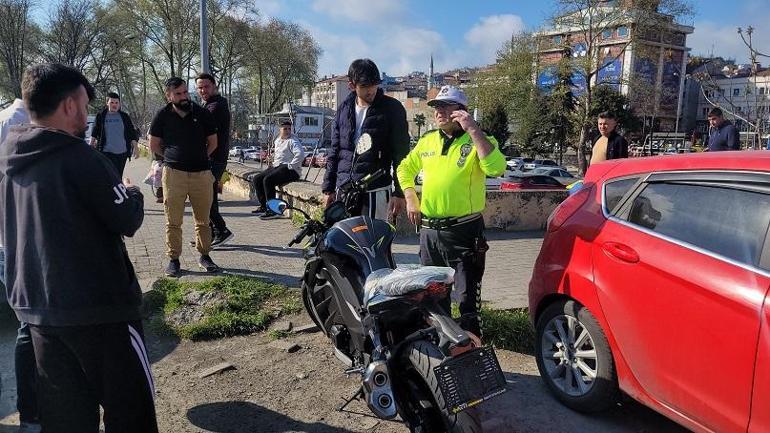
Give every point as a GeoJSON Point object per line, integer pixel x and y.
{"type": "Point", "coordinates": [121, 192]}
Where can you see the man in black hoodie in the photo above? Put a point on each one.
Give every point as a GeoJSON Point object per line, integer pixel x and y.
{"type": "Point", "coordinates": [63, 216]}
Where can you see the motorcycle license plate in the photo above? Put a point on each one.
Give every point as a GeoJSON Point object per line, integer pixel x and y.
{"type": "Point", "coordinates": [470, 379]}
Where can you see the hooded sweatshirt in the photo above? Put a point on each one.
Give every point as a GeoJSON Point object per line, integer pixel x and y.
{"type": "Point", "coordinates": [63, 212]}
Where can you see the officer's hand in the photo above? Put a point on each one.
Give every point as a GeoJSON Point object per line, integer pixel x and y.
{"type": "Point", "coordinates": [465, 120]}
{"type": "Point", "coordinates": [329, 198]}
{"type": "Point", "coordinates": [395, 207]}
{"type": "Point", "coordinates": [413, 209]}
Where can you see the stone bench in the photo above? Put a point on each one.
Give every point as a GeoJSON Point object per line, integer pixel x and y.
{"type": "Point", "coordinates": [505, 210]}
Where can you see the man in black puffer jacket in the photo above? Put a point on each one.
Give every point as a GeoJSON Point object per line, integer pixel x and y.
{"type": "Point", "coordinates": [368, 116]}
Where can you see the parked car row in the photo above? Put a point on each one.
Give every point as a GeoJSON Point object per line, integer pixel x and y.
{"type": "Point", "coordinates": [527, 164]}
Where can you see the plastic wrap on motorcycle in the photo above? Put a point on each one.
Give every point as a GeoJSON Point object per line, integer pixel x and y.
{"type": "Point", "coordinates": [385, 285]}
{"type": "Point", "coordinates": [470, 379]}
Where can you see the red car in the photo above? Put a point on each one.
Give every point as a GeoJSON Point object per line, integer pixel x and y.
{"type": "Point", "coordinates": [515, 183]}
{"type": "Point", "coordinates": [653, 280]}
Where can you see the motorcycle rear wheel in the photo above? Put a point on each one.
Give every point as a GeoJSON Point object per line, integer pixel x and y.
{"type": "Point", "coordinates": [423, 357]}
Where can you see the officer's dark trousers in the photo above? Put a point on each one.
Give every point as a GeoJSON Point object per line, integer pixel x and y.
{"type": "Point", "coordinates": [216, 221]}
{"type": "Point", "coordinates": [462, 247]}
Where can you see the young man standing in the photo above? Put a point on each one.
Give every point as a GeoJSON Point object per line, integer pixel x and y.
{"type": "Point", "coordinates": [723, 135]}
{"type": "Point", "coordinates": [114, 134]}
{"type": "Point", "coordinates": [368, 115]}
{"type": "Point", "coordinates": [287, 167]}
{"type": "Point", "coordinates": [75, 287]}
{"type": "Point", "coordinates": [207, 88]}
{"type": "Point", "coordinates": [185, 134]}
{"type": "Point", "coordinates": [610, 145]}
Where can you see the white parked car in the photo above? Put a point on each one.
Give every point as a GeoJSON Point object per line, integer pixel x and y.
{"type": "Point", "coordinates": [235, 151]}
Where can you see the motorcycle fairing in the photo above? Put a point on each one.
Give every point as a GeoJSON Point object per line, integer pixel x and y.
{"type": "Point", "coordinates": [365, 240]}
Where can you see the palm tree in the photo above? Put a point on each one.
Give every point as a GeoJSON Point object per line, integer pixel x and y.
{"type": "Point", "coordinates": [419, 120]}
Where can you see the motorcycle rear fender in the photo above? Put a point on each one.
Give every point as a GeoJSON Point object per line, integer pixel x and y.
{"type": "Point", "coordinates": [448, 330]}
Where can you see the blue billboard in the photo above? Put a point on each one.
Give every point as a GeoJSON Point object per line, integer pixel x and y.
{"type": "Point", "coordinates": [610, 73]}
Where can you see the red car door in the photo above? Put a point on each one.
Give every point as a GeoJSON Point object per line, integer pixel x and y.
{"type": "Point", "coordinates": [677, 280]}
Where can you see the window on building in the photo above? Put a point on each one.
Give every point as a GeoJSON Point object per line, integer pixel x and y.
{"type": "Point", "coordinates": [736, 92]}
{"type": "Point", "coordinates": [762, 90]}
{"type": "Point", "coordinates": [686, 213]}
{"type": "Point", "coordinates": [310, 121]}
{"type": "Point", "coordinates": [606, 34]}
{"type": "Point", "coordinates": [556, 40]}
{"type": "Point", "coordinates": [622, 31]}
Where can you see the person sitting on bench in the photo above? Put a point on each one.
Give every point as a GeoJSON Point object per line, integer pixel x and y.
{"type": "Point", "coordinates": [286, 167]}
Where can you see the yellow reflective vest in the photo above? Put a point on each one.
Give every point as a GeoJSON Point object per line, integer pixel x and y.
{"type": "Point", "coordinates": [454, 177]}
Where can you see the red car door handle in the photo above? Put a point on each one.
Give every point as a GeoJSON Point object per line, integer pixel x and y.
{"type": "Point", "coordinates": [621, 252]}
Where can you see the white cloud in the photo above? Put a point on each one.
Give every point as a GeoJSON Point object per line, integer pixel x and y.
{"type": "Point", "coordinates": [338, 50]}
{"type": "Point", "coordinates": [724, 41]}
{"type": "Point", "coordinates": [269, 8]}
{"type": "Point", "coordinates": [364, 11]}
{"type": "Point", "coordinates": [489, 35]}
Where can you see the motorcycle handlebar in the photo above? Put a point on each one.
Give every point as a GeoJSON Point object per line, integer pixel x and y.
{"type": "Point", "coordinates": [301, 235]}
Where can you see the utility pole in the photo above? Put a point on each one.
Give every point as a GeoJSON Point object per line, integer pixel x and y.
{"type": "Point", "coordinates": [204, 31]}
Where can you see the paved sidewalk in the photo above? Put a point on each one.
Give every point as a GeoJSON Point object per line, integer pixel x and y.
{"type": "Point", "coordinates": [258, 248]}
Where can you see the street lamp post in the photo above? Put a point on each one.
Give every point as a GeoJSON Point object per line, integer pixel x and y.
{"type": "Point", "coordinates": [204, 31]}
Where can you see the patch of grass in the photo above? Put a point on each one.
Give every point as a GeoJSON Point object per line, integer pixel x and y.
{"type": "Point", "coordinates": [509, 329]}
{"type": "Point", "coordinates": [248, 305]}
{"type": "Point", "coordinates": [225, 177]}
{"type": "Point", "coordinates": [277, 335]}
{"type": "Point", "coordinates": [144, 152]}
{"type": "Point", "coordinates": [298, 219]}
{"type": "Point", "coordinates": [506, 329]}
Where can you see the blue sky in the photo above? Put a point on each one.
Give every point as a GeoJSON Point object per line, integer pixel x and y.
{"type": "Point", "coordinates": [399, 35]}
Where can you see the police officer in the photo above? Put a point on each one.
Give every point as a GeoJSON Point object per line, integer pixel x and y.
{"type": "Point", "coordinates": [455, 159]}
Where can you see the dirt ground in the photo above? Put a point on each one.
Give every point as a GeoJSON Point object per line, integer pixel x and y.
{"type": "Point", "coordinates": [271, 391]}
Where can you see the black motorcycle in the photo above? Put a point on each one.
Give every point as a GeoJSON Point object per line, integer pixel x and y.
{"type": "Point", "coordinates": [385, 323]}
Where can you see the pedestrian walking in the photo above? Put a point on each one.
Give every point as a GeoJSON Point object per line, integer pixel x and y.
{"type": "Point", "coordinates": [63, 217]}
{"type": "Point", "coordinates": [368, 114]}
{"type": "Point", "coordinates": [216, 104]}
{"type": "Point", "coordinates": [723, 135]}
{"type": "Point", "coordinates": [286, 167]}
{"type": "Point", "coordinates": [185, 135]}
{"type": "Point", "coordinates": [610, 145]}
{"type": "Point", "coordinates": [455, 160]}
{"type": "Point", "coordinates": [114, 134]}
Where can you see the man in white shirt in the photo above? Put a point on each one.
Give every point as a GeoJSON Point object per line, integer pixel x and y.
{"type": "Point", "coordinates": [286, 167]}
{"type": "Point", "coordinates": [14, 114]}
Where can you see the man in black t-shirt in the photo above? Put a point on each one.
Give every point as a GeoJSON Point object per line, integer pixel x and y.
{"type": "Point", "coordinates": [186, 135]}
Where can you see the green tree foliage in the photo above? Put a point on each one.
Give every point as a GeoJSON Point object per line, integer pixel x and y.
{"type": "Point", "coordinates": [495, 123]}
{"type": "Point", "coordinates": [419, 121]}
{"type": "Point", "coordinates": [605, 98]}
{"type": "Point", "coordinates": [509, 86]}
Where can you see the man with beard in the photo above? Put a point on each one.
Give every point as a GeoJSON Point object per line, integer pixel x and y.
{"type": "Point", "coordinates": [185, 134]}
{"type": "Point", "coordinates": [455, 159]}
{"type": "Point", "coordinates": [62, 220]}
{"type": "Point", "coordinates": [368, 115]}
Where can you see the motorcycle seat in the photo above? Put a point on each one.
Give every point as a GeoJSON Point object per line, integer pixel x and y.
{"type": "Point", "coordinates": [391, 283]}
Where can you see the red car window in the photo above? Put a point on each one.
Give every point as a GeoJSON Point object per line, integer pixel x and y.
{"type": "Point", "coordinates": [726, 221]}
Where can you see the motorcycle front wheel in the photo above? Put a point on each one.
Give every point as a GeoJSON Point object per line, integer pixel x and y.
{"type": "Point", "coordinates": [423, 357]}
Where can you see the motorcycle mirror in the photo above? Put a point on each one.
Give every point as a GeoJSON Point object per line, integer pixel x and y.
{"type": "Point", "coordinates": [364, 143]}
{"type": "Point", "coordinates": [277, 206]}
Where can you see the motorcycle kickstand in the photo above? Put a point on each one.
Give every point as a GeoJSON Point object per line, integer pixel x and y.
{"type": "Point", "coordinates": [358, 394]}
